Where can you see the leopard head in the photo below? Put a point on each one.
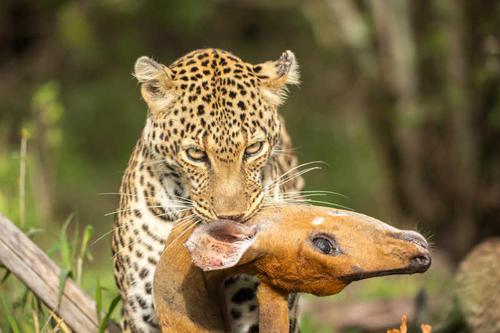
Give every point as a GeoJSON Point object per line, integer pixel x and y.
{"type": "Point", "coordinates": [214, 118]}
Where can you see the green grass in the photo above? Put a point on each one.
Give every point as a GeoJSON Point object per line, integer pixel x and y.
{"type": "Point", "coordinates": [22, 311]}
{"type": "Point", "coordinates": [69, 247]}
{"type": "Point", "coordinates": [307, 325]}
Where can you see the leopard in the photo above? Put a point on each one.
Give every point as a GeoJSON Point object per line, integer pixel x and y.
{"type": "Point", "coordinates": [214, 146]}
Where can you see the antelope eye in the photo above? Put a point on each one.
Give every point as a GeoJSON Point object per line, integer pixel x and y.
{"type": "Point", "coordinates": [254, 148]}
{"type": "Point", "coordinates": [324, 244]}
{"type": "Point", "coordinates": [196, 154]}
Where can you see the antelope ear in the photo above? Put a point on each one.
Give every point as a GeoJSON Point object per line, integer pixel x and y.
{"type": "Point", "coordinates": [276, 75]}
{"type": "Point", "coordinates": [156, 83]}
{"type": "Point", "coordinates": [220, 244]}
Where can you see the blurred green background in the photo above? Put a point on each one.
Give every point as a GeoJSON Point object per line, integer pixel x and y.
{"type": "Point", "coordinates": [399, 98]}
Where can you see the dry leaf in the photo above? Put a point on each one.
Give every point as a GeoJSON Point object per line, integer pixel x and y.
{"type": "Point", "coordinates": [404, 328]}
{"type": "Point", "coordinates": [426, 328]}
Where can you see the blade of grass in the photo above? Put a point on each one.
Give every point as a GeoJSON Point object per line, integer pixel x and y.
{"type": "Point", "coordinates": [60, 324]}
{"type": "Point", "coordinates": [39, 308]}
{"type": "Point", "coordinates": [112, 306]}
{"type": "Point", "coordinates": [33, 231]}
{"type": "Point", "coordinates": [98, 300]}
{"type": "Point", "coordinates": [22, 177]}
{"type": "Point", "coordinates": [64, 244]}
{"type": "Point", "coordinates": [10, 319]}
{"type": "Point", "coordinates": [53, 249]}
{"type": "Point", "coordinates": [63, 277]}
{"type": "Point", "coordinates": [66, 257]}
{"type": "Point", "coordinates": [74, 241]}
{"type": "Point", "coordinates": [5, 276]}
{"type": "Point", "coordinates": [35, 316]}
{"type": "Point", "coordinates": [87, 234]}
{"type": "Point", "coordinates": [36, 320]}
{"type": "Point", "coordinates": [24, 298]}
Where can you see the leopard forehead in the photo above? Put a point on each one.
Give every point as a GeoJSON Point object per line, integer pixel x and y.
{"type": "Point", "coordinates": [218, 103]}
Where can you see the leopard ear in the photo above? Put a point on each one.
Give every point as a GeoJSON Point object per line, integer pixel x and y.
{"type": "Point", "coordinates": [156, 83]}
{"type": "Point", "coordinates": [276, 75]}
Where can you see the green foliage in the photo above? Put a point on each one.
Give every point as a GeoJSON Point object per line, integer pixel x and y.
{"type": "Point", "coordinates": [307, 325]}
{"type": "Point", "coordinates": [6, 309]}
{"type": "Point", "coordinates": [112, 306]}
{"type": "Point", "coordinates": [21, 311]}
{"type": "Point", "coordinates": [49, 111]}
{"type": "Point", "coordinates": [9, 171]}
{"type": "Point", "coordinates": [100, 306]}
{"type": "Point", "coordinates": [76, 31]}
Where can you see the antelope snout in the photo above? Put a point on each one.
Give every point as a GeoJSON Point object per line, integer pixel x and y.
{"type": "Point", "coordinates": [421, 260]}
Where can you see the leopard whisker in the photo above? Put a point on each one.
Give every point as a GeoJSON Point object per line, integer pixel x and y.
{"type": "Point", "coordinates": [182, 219]}
{"type": "Point", "coordinates": [180, 235]}
{"type": "Point", "coordinates": [288, 179]}
{"type": "Point", "coordinates": [183, 223]}
{"type": "Point", "coordinates": [150, 162]}
{"type": "Point", "coordinates": [311, 201]}
{"type": "Point", "coordinates": [328, 204]}
{"type": "Point", "coordinates": [284, 196]}
{"type": "Point", "coordinates": [122, 226]}
{"type": "Point", "coordinates": [316, 191]}
{"type": "Point", "coordinates": [106, 233]}
{"type": "Point", "coordinates": [180, 199]}
{"type": "Point", "coordinates": [173, 212]}
{"type": "Point", "coordinates": [292, 170]}
{"type": "Point", "coordinates": [131, 209]}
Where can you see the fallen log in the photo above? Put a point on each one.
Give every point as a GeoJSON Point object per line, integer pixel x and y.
{"type": "Point", "coordinates": [36, 270]}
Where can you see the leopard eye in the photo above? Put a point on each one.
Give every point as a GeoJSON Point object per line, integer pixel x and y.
{"type": "Point", "coordinates": [196, 155]}
{"type": "Point", "coordinates": [254, 148]}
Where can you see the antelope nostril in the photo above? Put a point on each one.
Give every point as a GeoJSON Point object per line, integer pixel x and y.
{"type": "Point", "coordinates": [420, 263]}
{"type": "Point", "coordinates": [413, 237]}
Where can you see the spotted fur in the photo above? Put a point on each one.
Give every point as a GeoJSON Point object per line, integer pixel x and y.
{"type": "Point", "coordinates": [211, 147]}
